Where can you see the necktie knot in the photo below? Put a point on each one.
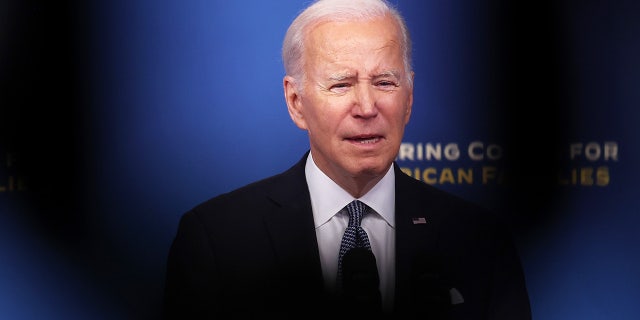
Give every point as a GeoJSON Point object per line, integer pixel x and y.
{"type": "Point", "coordinates": [354, 235]}
{"type": "Point", "coordinates": [356, 210]}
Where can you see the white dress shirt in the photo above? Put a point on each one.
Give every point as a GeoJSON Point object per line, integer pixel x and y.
{"type": "Point", "coordinates": [328, 199]}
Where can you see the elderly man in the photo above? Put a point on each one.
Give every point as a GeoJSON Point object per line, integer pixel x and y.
{"type": "Point", "coordinates": [344, 232]}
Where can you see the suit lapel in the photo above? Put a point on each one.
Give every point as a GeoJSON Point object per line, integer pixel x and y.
{"type": "Point", "coordinates": [291, 227]}
{"type": "Point", "coordinates": [415, 237]}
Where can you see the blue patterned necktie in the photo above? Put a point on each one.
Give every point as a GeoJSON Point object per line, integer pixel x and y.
{"type": "Point", "coordinates": [358, 279]}
{"type": "Point", "coordinates": [354, 235]}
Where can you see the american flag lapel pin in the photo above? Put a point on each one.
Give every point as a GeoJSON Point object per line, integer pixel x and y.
{"type": "Point", "coordinates": [419, 220]}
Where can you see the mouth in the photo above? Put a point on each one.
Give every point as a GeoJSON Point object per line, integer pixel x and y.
{"type": "Point", "coordinates": [364, 139]}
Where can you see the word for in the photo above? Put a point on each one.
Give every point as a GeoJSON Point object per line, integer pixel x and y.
{"type": "Point", "coordinates": [593, 151]}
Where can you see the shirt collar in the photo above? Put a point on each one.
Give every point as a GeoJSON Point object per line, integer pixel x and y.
{"type": "Point", "coordinates": [328, 198]}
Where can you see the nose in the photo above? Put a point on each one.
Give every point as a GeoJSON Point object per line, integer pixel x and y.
{"type": "Point", "coordinates": [365, 102]}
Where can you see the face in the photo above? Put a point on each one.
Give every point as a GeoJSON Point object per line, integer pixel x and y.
{"type": "Point", "coordinates": [355, 100]}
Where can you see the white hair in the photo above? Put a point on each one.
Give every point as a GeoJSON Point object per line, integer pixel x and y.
{"type": "Point", "coordinates": [338, 10]}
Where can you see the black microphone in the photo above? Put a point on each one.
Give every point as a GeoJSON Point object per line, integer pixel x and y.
{"type": "Point", "coordinates": [360, 281]}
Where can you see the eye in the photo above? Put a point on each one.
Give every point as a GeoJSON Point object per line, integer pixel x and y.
{"type": "Point", "coordinates": [386, 84]}
{"type": "Point", "coordinates": [340, 87]}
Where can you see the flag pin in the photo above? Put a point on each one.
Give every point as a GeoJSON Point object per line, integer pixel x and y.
{"type": "Point", "coordinates": [419, 220]}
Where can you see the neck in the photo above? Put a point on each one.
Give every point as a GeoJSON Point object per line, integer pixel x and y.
{"type": "Point", "coordinates": [360, 185]}
{"type": "Point", "coordinates": [356, 183]}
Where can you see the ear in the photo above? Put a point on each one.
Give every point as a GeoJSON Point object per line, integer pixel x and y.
{"type": "Point", "coordinates": [407, 115]}
{"type": "Point", "coordinates": [294, 102]}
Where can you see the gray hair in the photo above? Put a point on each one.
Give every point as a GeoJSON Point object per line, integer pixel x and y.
{"type": "Point", "coordinates": [338, 10]}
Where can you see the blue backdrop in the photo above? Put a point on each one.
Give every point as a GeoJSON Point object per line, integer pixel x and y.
{"type": "Point", "coordinates": [121, 115]}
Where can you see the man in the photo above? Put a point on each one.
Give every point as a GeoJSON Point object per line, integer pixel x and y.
{"type": "Point", "coordinates": [276, 246]}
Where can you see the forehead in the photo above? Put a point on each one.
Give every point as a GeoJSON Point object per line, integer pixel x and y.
{"type": "Point", "coordinates": [339, 40]}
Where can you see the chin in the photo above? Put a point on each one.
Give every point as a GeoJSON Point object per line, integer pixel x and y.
{"type": "Point", "coordinates": [372, 169]}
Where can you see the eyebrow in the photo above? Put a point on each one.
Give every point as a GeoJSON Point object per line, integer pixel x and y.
{"type": "Point", "coordinates": [341, 76]}
{"type": "Point", "coordinates": [345, 76]}
{"type": "Point", "coordinates": [387, 74]}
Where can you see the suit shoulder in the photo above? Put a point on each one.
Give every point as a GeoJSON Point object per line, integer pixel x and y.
{"type": "Point", "coordinates": [258, 195]}
{"type": "Point", "coordinates": [239, 196]}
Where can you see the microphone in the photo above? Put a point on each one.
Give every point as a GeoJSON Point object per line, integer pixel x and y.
{"type": "Point", "coordinates": [360, 281]}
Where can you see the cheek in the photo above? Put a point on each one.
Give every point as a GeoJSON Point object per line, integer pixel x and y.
{"type": "Point", "coordinates": [318, 124]}
{"type": "Point", "coordinates": [323, 116]}
{"type": "Point", "coordinates": [326, 125]}
{"type": "Point", "coordinates": [396, 112]}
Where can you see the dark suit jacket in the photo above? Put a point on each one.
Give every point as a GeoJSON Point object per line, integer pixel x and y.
{"type": "Point", "coordinates": [252, 252]}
